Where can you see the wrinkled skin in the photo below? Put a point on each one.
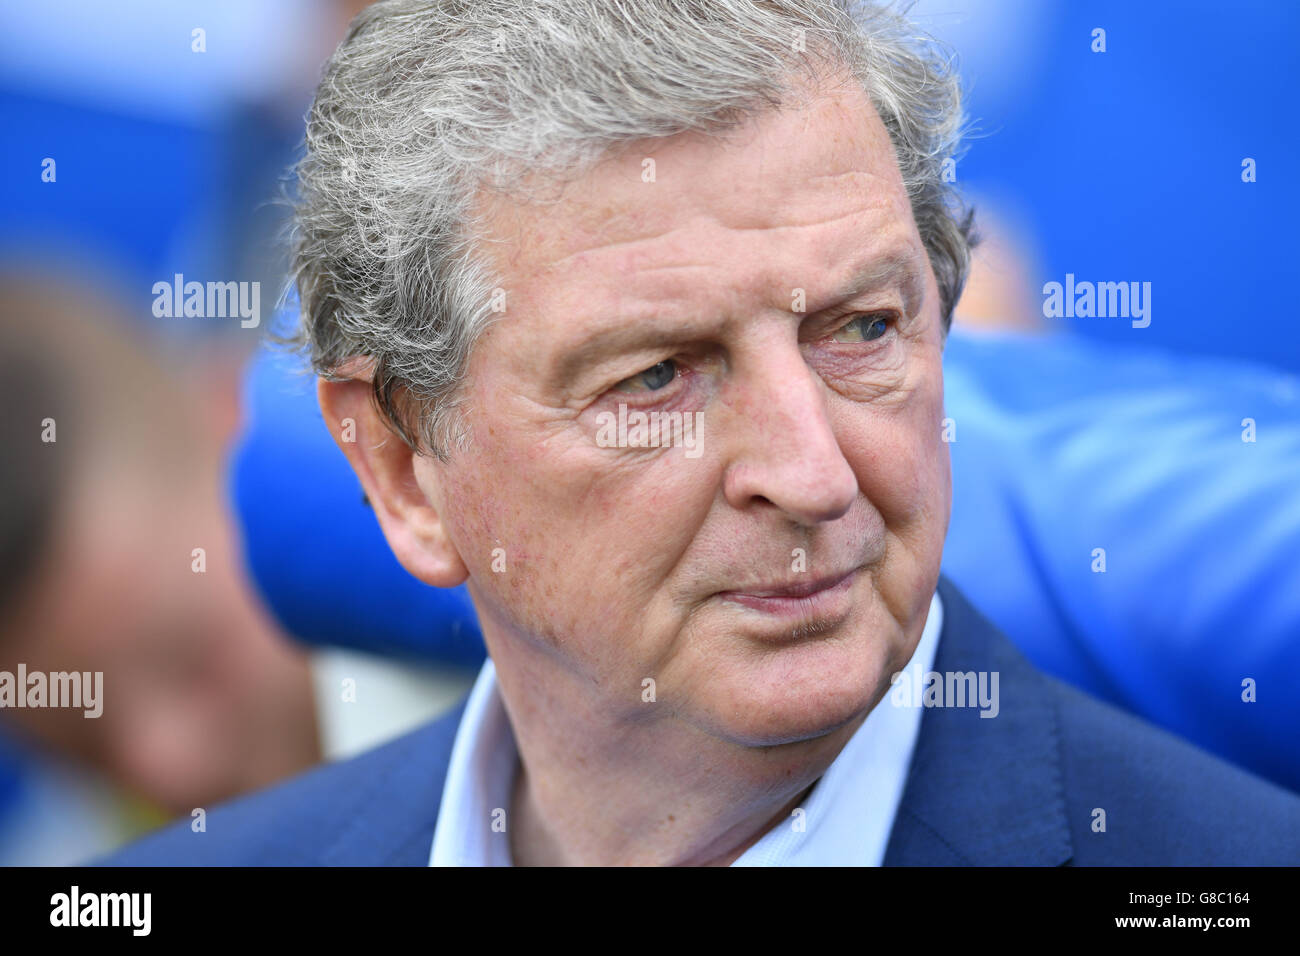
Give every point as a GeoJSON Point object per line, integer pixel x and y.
{"type": "Point", "coordinates": [821, 436]}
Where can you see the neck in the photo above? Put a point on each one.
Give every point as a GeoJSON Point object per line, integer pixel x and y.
{"type": "Point", "coordinates": [595, 789]}
{"type": "Point", "coordinates": [536, 837]}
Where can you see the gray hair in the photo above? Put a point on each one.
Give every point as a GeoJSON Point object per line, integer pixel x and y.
{"type": "Point", "coordinates": [427, 102]}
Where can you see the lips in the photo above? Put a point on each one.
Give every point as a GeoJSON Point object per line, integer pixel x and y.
{"type": "Point", "coordinates": [795, 606]}
{"type": "Point", "coordinates": [797, 589]}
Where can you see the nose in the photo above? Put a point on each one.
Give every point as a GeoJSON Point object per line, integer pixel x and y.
{"type": "Point", "coordinates": [785, 452]}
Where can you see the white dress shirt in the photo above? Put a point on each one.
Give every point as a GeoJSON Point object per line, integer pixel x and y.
{"type": "Point", "coordinates": [846, 819]}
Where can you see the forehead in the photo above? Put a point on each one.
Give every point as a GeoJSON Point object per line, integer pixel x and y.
{"type": "Point", "coordinates": [794, 197]}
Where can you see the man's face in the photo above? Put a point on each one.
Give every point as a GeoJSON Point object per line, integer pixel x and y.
{"type": "Point", "coordinates": [772, 579]}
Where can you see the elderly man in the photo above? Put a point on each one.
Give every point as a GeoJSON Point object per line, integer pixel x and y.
{"type": "Point", "coordinates": [633, 317]}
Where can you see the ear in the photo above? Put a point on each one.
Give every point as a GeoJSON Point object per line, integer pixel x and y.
{"type": "Point", "coordinates": [386, 467]}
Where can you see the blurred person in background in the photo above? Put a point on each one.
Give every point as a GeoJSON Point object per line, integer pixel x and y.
{"type": "Point", "coordinates": [153, 152]}
{"type": "Point", "coordinates": [204, 698]}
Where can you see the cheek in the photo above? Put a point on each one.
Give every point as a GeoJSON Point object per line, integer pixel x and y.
{"type": "Point", "coordinates": [900, 458]}
{"type": "Point", "coordinates": [576, 527]}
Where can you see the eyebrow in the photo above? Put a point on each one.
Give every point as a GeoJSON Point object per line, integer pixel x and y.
{"type": "Point", "coordinates": [896, 267]}
{"type": "Point", "coordinates": [637, 336]}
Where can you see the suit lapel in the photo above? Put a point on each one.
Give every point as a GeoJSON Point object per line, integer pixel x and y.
{"type": "Point", "coordinates": [391, 816]}
{"type": "Point", "coordinates": [984, 791]}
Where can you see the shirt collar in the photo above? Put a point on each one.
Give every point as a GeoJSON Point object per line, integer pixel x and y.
{"type": "Point", "coordinates": [846, 819]}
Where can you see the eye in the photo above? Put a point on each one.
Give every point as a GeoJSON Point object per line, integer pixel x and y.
{"type": "Point", "coordinates": [650, 380]}
{"type": "Point", "coordinates": [863, 327]}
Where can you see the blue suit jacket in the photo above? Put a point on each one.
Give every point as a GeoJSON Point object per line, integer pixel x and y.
{"type": "Point", "coordinates": [1020, 788]}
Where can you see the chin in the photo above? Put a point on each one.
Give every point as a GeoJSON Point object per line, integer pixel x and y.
{"type": "Point", "coordinates": [800, 692]}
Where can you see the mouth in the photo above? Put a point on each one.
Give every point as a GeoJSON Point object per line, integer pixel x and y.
{"type": "Point", "coordinates": [816, 599]}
